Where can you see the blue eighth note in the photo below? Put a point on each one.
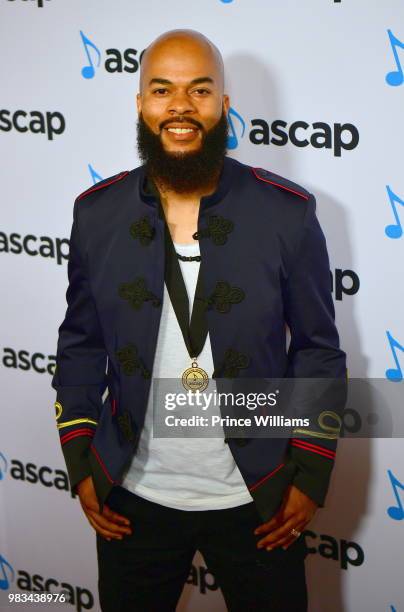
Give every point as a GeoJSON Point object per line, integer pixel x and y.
{"type": "Point", "coordinates": [94, 175]}
{"type": "Point", "coordinates": [396, 512]}
{"type": "Point", "coordinates": [395, 230]}
{"type": "Point", "coordinates": [88, 71]}
{"type": "Point", "coordinates": [232, 140]}
{"type": "Point", "coordinates": [395, 77]}
{"type": "Point", "coordinates": [4, 581]}
{"type": "Point", "coordinates": [394, 374]}
{"type": "Point", "coordinates": [393, 609]}
{"type": "Point", "coordinates": [4, 462]}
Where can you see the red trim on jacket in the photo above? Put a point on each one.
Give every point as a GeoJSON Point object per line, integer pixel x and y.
{"type": "Point", "coordinates": [85, 431]}
{"type": "Point", "coordinates": [257, 484]}
{"type": "Point", "coordinates": [113, 406]}
{"type": "Point", "coordinates": [299, 193]}
{"type": "Point", "coordinates": [97, 186]}
{"type": "Point", "coordinates": [104, 469]}
{"type": "Point", "coordinates": [313, 448]}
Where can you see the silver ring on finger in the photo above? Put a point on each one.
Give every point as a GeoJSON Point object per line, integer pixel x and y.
{"type": "Point", "coordinates": [296, 533]}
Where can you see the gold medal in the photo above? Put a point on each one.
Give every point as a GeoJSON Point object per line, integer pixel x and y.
{"type": "Point", "coordinates": [195, 378]}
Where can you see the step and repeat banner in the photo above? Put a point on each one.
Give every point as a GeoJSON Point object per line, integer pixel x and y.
{"type": "Point", "coordinates": [317, 95]}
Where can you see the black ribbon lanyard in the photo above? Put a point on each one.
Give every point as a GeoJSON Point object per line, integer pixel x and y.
{"type": "Point", "coordinates": [194, 331]}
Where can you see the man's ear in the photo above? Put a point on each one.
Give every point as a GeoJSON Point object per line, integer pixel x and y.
{"type": "Point", "coordinates": [138, 104]}
{"type": "Point", "coordinates": [226, 103]}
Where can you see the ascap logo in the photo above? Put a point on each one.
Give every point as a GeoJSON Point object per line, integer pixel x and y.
{"type": "Point", "coordinates": [23, 360]}
{"type": "Point", "coordinates": [115, 60]}
{"type": "Point", "coordinates": [77, 596]}
{"type": "Point", "coordinates": [44, 246]}
{"type": "Point", "coordinates": [346, 553]}
{"type": "Point", "coordinates": [34, 474]}
{"type": "Point", "coordinates": [338, 137]}
{"type": "Point", "coordinates": [36, 122]}
{"type": "Point", "coordinates": [43, 475]}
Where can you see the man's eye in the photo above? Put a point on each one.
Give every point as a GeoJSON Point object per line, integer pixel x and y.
{"type": "Point", "coordinates": [160, 90]}
{"type": "Point", "coordinates": [202, 91]}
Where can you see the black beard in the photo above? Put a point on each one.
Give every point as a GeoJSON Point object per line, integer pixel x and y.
{"type": "Point", "coordinates": [184, 172]}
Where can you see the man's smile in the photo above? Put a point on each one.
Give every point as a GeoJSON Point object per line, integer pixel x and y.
{"type": "Point", "coordinates": [180, 130]}
{"type": "Point", "coordinates": [184, 133]}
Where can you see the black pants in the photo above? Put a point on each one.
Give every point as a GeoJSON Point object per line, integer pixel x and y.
{"type": "Point", "coordinates": [146, 571]}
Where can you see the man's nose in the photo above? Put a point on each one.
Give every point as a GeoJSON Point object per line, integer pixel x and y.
{"type": "Point", "coordinates": [181, 103]}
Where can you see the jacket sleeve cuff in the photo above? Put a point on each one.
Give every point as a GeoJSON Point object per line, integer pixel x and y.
{"type": "Point", "coordinates": [76, 453]}
{"type": "Point", "coordinates": [313, 473]}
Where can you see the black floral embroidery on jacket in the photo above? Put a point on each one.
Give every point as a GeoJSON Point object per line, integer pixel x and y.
{"type": "Point", "coordinates": [224, 296]}
{"type": "Point", "coordinates": [143, 231]}
{"type": "Point", "coordinates": [130, 361]}
{"type": "Point", "coordinates": [218, 228]}
{"type": "Point", "coordinates": [136, 293]}
{"type": "Point", "coordinates": [125, 425]}
{"type": "Point", "coordinates": [233, 362]}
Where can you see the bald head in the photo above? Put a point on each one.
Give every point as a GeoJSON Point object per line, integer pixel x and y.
{"type": "Point", "coordinates": [182, 82]}
{"type": "Point", "coordinates": [182, 47]}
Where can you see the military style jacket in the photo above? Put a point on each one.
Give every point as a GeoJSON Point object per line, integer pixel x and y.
{"type": "Point", "coordinates": [258, 232]}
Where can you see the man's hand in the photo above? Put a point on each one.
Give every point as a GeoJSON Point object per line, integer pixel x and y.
{"type": "Point", "coordinates": [296, 511]}
{"type": "Point", "coordinates": [109, 523]}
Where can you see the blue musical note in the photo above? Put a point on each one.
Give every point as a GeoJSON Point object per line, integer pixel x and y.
{"type": "Point", "coordinates": [232, 140]}
{"type": "Point", "coordinates": [395, 77]}
{"type": "Point", "coordinates": [4, 581]}
{"type": "Point", "coordinates": [94, 175]}
{"type": "Point", "coordinates": [395, 230]}
{"type": "Point", "coordinates": [394, 374]}
{"type": "Point", "coordinates": [88, 71]}
{"type": "Point", "coordinates": [4, 462]}
{"type": "Point", "coordinates": [396, 512]}
{"type": "Point", "coordinates": [393, 609]}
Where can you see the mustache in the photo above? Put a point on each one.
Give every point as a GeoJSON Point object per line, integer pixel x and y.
{"type": "Point", "coordinates": [181, 119]}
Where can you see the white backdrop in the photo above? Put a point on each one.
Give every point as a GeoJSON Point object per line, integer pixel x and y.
{"type": "Point", "coordinates": [313, 61]}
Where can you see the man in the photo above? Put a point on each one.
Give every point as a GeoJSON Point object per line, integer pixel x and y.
{"type": "Point", "coordinates": [263, 263]}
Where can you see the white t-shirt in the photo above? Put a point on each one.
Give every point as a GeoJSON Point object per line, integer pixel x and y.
{"type": "Point", "coordinates": [183, 473]}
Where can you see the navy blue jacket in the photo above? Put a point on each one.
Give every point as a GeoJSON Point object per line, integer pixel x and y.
{"type": "Point", "coordinates": [258, 232]}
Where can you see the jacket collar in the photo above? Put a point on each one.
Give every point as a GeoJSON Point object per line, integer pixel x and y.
{"type": "Point", "coordinates": [149, 195]}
